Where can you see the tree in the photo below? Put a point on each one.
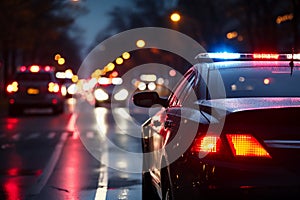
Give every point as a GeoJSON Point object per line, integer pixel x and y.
{"type": "Point", "coordinates": [151, 13]}
{"type": "Point", "coordinates": [141, 14]}
{"type": "Point", "coordinates": [254, 23]}
{"type": "Point", "coordinates": [30, 31]}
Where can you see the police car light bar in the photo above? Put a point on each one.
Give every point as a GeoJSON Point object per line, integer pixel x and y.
{"type": "Point", "coordinates": [248, 56]}
{"type": "Point", "coordinates": [35, 68]}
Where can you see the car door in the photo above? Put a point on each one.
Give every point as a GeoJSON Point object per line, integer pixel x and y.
{"type": "Point", "coordinates": [165, 124]}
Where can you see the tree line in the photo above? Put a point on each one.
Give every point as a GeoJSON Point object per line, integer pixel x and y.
{"type": "Point", "coordinates": [258, 25]}
{"type": "Point", "coordinates": [32, 31]}
{"type": "Point", "coordinates": [218, 25]}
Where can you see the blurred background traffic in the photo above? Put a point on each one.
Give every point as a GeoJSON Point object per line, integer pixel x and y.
{"type": "Point", "coordinates": [45, 44]}
{"type": "Point", "coordinates": [58, 33]}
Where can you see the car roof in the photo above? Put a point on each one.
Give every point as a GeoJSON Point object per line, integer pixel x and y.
{"type": "Point", "coordinates": [241, 64]}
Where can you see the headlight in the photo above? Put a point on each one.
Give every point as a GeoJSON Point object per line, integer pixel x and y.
{"type": "Point", "coordinates": [63, 90]}
{"type": "Point", "coordinates": [72, 89]}
{"type": "Point", "coordinates": [13, 87]}
{"type": "Point", "coordinates": [121, 95]}
{"type": "Point", "coordinates": [100, 95]}
{"type": "Point", "coordinates": [152, 86]}
{"type": "Point", "coordinates": [142, 86]}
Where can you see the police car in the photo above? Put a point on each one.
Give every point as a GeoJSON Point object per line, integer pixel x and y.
{"type": "Point", "coordinates": [229, 129]}
{"type": "Point", "coordinates": [35, 86]}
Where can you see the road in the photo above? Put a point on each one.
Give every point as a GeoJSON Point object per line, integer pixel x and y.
{"type": "Point", "coordinates": [84, 153]}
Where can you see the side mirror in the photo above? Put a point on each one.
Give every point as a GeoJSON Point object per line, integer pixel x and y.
{"type": "Point", "coordinates": [148, 99]}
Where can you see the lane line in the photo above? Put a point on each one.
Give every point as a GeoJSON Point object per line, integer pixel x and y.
{"type": "Point", "coordinates": [33, 136]}
{"type": "Point", "coordinates": [101, 191]}
{"type": "Point", "coordinates": [102, 188]}
{"type": "Point", "coordinates": [16, 137]}
{"type": "Point", "coordinates": [51, 135]}
{"type": "Point", "coordinates": [42, 180]}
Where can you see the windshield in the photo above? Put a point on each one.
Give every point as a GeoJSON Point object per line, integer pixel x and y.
{"type": "Point", "coordinates": [258, 82]}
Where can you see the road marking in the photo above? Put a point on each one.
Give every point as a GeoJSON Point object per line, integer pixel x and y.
{"type": "Point", "coordinates": [51, 135]}
{"type": "Point", "coordinates": [102, 180]}
{"type": "Point", "coordinates": [42, 180]}
{"type": "Point", "coordinates": [16, 137]}
{"type": "Point", "coordinates": [33, 136]}
{"type": "Point", "coordinates": [101, 191]}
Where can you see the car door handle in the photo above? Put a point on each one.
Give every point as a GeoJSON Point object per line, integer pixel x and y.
{"type": "Point", "coordinates": [168, 124]}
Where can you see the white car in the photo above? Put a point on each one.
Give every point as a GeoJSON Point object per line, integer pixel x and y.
{"type": "Point", "coordinates": [35, 87]}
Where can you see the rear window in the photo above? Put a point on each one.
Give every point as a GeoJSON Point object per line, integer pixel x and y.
{"type": "Point", "coordinates": [258, 82]}
{"type": "Point", "coordinates": [33, 77]}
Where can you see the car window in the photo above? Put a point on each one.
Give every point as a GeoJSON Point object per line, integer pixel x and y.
{"type": "Point", "coordinates": [183, 89]}
{"type": "Point", "coordinates": [259, 82]}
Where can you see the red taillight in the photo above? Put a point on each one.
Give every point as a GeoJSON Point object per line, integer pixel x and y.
{"type": "Point", "coordinates": [11, 101]}
{"type": "Point", "coordinates": [23, 68]}
{"type": "Point", "coordinates": [47, 68]}
{"type": "Point", "coordinates": [53, 87]}
{"type": "Point", "coordinates": [13, 87]}
{"type": "Point", "coordinates": [206, 144]}
{"type": "Point", "coordinates": [246, 145]}
{"type": "Point", "coordinates": [54, 101]}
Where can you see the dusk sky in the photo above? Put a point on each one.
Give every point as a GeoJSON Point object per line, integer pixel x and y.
{"type": "Point", "coordinates": [97, 18]}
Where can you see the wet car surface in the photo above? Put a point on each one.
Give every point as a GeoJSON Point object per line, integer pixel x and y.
{"type": "Point", "coordinates": [229, 129]}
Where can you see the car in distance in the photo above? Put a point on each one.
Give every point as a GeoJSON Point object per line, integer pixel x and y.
{"type": "Point", "coordinates": [35, 86]}
{"type": "Point", "coordinates": [229, 129]}
{"type": "Point", "coordinates": [70, 88]}
{"type": "Point", "coordinates": [109, 91]}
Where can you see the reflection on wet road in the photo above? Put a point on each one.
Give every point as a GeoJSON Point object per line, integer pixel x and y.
{"type": "Point", "coordinates": [91, 153]}
{"type": "Point", "coordinates": [122, 152]}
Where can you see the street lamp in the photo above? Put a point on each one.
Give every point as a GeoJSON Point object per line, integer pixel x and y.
{"type": "Point", "coordinates": [175, 17]}
{"type": "Point", "coordinates": [140, 43]}
{"type": "Point", "coordinates": [126, 55]}
{"type": "Point", "coordinates": [57, 56]}
{"type": "Point", "coordinates": [110, 67]}
{"type": "Point", "coordinates": [119, 60]}
{"type": "Point", "coordinates": [61, 61]}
